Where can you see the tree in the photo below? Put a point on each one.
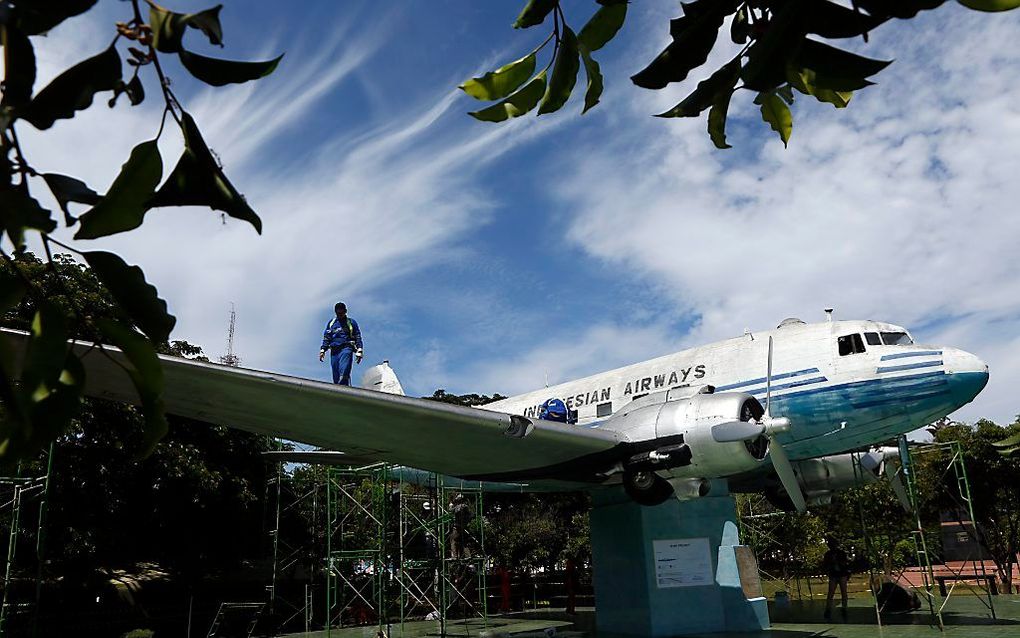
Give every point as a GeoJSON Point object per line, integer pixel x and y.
{"type": "Point", "coordinates": [778, 52]}
{"type": "Point", "coordinates": [110, 508]}
{"type": "Point", "coordinates": [994, 486]}
{"type": "Point", "coordinates": [40, 400]}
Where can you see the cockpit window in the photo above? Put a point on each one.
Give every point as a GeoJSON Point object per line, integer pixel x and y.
{"type": "Point", "coordinates": [850, 344]}
{"type": "Point", "coordinates": [896, 339]}
{"type": "Point", "coordinates": [872, 339]}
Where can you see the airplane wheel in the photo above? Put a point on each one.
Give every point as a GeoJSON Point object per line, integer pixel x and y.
{"type": "Point", "coordinates": [647, 488]}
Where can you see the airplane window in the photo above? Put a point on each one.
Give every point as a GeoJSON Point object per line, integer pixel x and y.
{"type": "Point", "coordinates": [896, 339]}
{"type": "Point", "coordinates": [872, 339]}
{"type": "Point", "coordinates": [604, 409]}
{"type": "Point", "coordinates": [850, 344]}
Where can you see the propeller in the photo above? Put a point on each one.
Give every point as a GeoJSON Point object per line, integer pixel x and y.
{"type": "Point", "coordinates": [768, 426]}
{"type": "Point", "coordinates": [884, 462]}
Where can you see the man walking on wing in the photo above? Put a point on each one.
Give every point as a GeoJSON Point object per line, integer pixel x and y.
{"type": "Point", "coordinates": [342, 338]}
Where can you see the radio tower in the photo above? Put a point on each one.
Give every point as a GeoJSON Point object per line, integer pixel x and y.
{"type": "Point", "coordinates": [230, 358]}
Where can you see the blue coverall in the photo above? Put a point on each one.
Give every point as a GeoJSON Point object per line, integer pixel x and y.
{"type": "Point", "coordinates": [342, 337]}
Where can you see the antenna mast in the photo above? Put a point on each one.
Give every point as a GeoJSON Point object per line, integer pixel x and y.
{"type": "Point", "coordinates": [230, 358]}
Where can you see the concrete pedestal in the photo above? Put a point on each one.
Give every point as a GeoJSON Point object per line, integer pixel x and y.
{"type": "Point", "coordinates": [682, 584]}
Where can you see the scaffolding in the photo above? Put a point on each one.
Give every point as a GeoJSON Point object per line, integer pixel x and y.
{"type": "Point", "coordinates": [953, 476]}
{"type": "Point", "coordinates": [295, 519]}
{"type": "Point", "coordinates": [760, 526]}
{"type": "Point", "coordinates": [21, 591]}
{"type": "Point", "coordinates": [357, 564]}
{"type": "Point", "coordinates": [464, 563]}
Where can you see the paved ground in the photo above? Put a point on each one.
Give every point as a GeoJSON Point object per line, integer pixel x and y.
{"type": "Point", "coordinates": [963, 617]}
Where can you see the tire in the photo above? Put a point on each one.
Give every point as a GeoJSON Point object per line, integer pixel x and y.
{"type": "Point", "coordinates": [647, 488]}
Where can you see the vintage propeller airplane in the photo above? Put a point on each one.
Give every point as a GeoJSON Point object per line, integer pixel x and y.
{"type": "Point", "coordinates": [662, 428]}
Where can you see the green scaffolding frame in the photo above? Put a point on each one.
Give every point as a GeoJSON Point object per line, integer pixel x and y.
{"type": "Point", "coordinates": [15, 492]}
{"type": "Point", "coordinates": [962, 496]}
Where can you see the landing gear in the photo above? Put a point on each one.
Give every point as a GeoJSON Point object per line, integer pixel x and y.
{"type": "Point", "coordinates": [646, 488]}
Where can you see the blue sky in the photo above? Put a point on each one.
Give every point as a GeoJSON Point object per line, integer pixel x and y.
{"type": "Point", "coordinates": [487, 258]}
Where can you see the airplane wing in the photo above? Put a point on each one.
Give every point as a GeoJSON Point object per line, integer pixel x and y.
{"type": "Point", "coordinates": [367, 425]}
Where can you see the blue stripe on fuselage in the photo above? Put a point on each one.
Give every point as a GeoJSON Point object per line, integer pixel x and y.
{"type": "Point", "coordinates": [784, 375]}
{"type": "Point", "coordinates": [909, 366]}
{"type": "Point", "coordinates": [901, 355]}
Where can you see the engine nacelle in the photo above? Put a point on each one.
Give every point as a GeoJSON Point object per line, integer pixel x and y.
{"type": "Point", "coordinates": [694, 419]}
{"type": "Point", "coordinates": [682, 430]}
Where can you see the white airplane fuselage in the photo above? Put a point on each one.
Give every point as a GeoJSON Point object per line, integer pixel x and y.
{"type": "Point", "coordinates": [840, 391]}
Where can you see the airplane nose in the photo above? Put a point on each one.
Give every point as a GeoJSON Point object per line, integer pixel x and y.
{"type": "Point", "coordinates": [967, 373]}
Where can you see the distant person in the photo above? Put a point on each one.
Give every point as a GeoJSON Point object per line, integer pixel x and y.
{"type": "Point", "coordinates": [837, 567]}
{"type": "Point", "coordinates": [342, 337]}
{"type": "Point", "coordinates": [461, 514]}
{"type": "Point", "coordinates": [572, 582]}
{"type": "Point", "coordinates": [504, 589]}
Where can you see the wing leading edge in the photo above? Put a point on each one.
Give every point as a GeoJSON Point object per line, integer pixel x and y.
{"type": "Point", "coordinates": [368, 425]}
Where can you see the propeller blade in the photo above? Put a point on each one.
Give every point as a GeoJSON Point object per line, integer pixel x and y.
{"type": "Point", "coordinates": [768, 382]}
{"type": "Point", "coordinates": [784, 469]}
{"type": "Point", "coordinates": [895, 477]}
{"type": "Point", "coordinates": [736, 431]}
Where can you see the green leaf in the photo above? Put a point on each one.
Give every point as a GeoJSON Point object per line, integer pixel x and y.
{"type": "Point", "coordinates": [198, 180]}
{"type": "Point", "coordinates": [38, 17]}
{"type": "Point", "coordinates": [50, 390]}
{"type": "Point", "coordinates": [135, 91]}
{"type": "Point", "coordinates": [220, 72]}
{"type": "Point", "coordinates": [777, 114]}
{"type": "Point", "coordinates": [594, 74]}
{"type": "Point", "coordinates": [717, 118]}
{"type": "Point", "coordinates": [52, 410]}
{"type": "Point", "coordinates": [602, 26]}
{"type": "Point", "coordinates": [74, 89]}
{"type": "Point", "coordinates": [519, 103]}
{"type": "Point", "coordinates": [125, 204]}
{"type": "Point", "coordinates": [19, 65]}
{"type": "Point", "coordinates": [69, 189]}
{"type": "Point", "coordinates": [990, 5]}
{"type": "Point", "coordinates": [19, 212]}
{"type": "Point", "coordinates": [208, 22]}
{"type": "Point", "coordinates": [146, 374]}
{"type": "Point", "coordinates": [724, 79]}
{"type": "Point", "coordinates": [694, 35]}
{"type": "Point", "coordinates": [845, 71]}
{"type": "Point", "coordinates": [496, 85]}
{"type": "Point", "coordinates": [136, 296]}
{"type": "Point", "coordinates": [903, 9]}
{"type": "Point", "coordinates": [564, 74]}
{"type": "Point", "coordinates": [831, 20]}
{"type": "Point", "coordinates": [168, 27]}
{"type": "Point", "coordinates": [534, 13]}
{"type": "Point", "coordinates": [47, 348]}
{"type": "Point", "coordinates": [806, 81]}
{"type": "Point", "coordinates": [767, 57]}
{"type": "Point", "coordinates": [740, 27]}
{"type": "Point", "coordinates": [786, 92]}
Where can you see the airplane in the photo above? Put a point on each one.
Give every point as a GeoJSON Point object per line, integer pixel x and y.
{"type": "Point", "coordinates": [662, 428]}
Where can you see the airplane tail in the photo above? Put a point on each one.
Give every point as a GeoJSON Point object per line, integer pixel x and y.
{"type": "Point", "coordinates": [382, 378]}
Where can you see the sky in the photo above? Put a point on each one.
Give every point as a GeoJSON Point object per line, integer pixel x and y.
{"type": "Point", "coordinates": [495, 258]}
